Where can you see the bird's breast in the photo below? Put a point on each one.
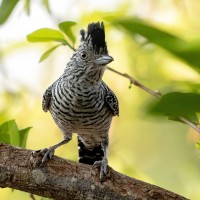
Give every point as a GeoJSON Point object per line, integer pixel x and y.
{"type": "Point", "coordinates": [82, 107]}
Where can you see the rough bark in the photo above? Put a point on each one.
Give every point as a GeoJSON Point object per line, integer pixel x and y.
{"type": "Point", "coordinates": [64, 179]}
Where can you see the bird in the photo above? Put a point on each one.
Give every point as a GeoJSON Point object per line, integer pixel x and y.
{"type": "Point", "coordinates": [80, 102]}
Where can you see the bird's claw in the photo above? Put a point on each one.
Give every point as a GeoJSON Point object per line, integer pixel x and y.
{"type": "Point", "coordinates": [47, 154]}
{"type": "Point", "coordinates": [103, 167]}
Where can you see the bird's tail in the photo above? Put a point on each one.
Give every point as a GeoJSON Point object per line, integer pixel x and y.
{"type": "Point", "coordinates": [89, 156]}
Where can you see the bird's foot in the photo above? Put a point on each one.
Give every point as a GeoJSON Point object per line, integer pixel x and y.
{"type": "Point", "coordinates": [103, 167]}
{"type": "Point", "coordinates": [47, 154]}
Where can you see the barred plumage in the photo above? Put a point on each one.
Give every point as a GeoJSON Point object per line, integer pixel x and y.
{"type": "Point", "coordinates": [80, 102]}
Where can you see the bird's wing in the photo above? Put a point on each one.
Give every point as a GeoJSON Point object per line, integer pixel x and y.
{"type": "Point", "coordinates": [47, 98]}
{"type": "Point", "coordinates": [111, 100]}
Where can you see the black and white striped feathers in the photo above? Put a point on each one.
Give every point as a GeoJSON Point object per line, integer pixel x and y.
{"type": "Point", "coordinates": [79, 101]}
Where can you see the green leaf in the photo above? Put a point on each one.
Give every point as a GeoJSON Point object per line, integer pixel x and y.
{"type": "Point", "coordinates": [6, 9]}
{"type": "Point", "coordinates": [46, 35]}
{"type": "Point", "coordinates": [9, 133]}
{"type": "Point", "coordinates": [66, 28]}
{"type": "Point", "coordinates": [46, 54]}
{"type": "Point", "coordinates": [187, 51]}
{"type": "Point", "coordinates": [4, 136]}
{"type": "Point", "coordinates": [177, 104]}
{"type": "Point", "coordinates": [23, 133]}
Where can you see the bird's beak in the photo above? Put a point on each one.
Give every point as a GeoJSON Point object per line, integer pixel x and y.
{"type": "Point", "coordinates": [104, 60]}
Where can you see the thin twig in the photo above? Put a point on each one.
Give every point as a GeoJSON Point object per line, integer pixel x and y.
{"type": "Point", "coordinates": [156, 94]}
{"type": "Point", "coordinates": [136, 83]}
{"type": "Point", "coordinates": [189, 123]}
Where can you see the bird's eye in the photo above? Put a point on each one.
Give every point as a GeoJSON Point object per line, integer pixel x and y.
{"type": "Point", "coordinates": [83, 55]}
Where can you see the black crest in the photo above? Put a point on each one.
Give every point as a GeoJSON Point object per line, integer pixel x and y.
{"type": "Point", "coordinates": [96, 33]}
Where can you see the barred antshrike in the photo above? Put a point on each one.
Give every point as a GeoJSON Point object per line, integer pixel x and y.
{"type": "Point", "coordinates": [80, 102]}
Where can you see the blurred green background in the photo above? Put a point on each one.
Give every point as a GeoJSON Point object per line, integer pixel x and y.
{"type": "Point", "coordinates": [147, 147]}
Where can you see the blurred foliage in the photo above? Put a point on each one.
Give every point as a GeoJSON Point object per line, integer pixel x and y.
{"type": "Point", "coordinates": [188, 51]}
{"type": "Point", "coordinates": [157, 42]}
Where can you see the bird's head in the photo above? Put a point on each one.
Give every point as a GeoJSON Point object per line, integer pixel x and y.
{"type": "Point", "coordinates": [92, 54]}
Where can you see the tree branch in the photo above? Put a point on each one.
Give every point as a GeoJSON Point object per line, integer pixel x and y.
{"type": "Point", "coordinates": [67, 180]}
{"type": "Point", "coordinates": [136, 83]}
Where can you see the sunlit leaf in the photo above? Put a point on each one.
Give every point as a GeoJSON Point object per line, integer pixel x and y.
{"type": "Point", "coordinates": [4, 136]}
{"type": "Point", "coordinates": [46, 35]}
{"type": "Point", "coordinates": [23, 133]}
{"type": "Point", "coordinates": [66, 28]}
{"type": "Point", "coordinates": [184, 50]}
{"type": "Point", "coordinates": [6, 9]}
{"type": "Point", "coordinates": [177, 104]}
{"type": "Point", "coordinates": [9, 133]}
{"type": "Point", "coordinates": [47, 53]}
